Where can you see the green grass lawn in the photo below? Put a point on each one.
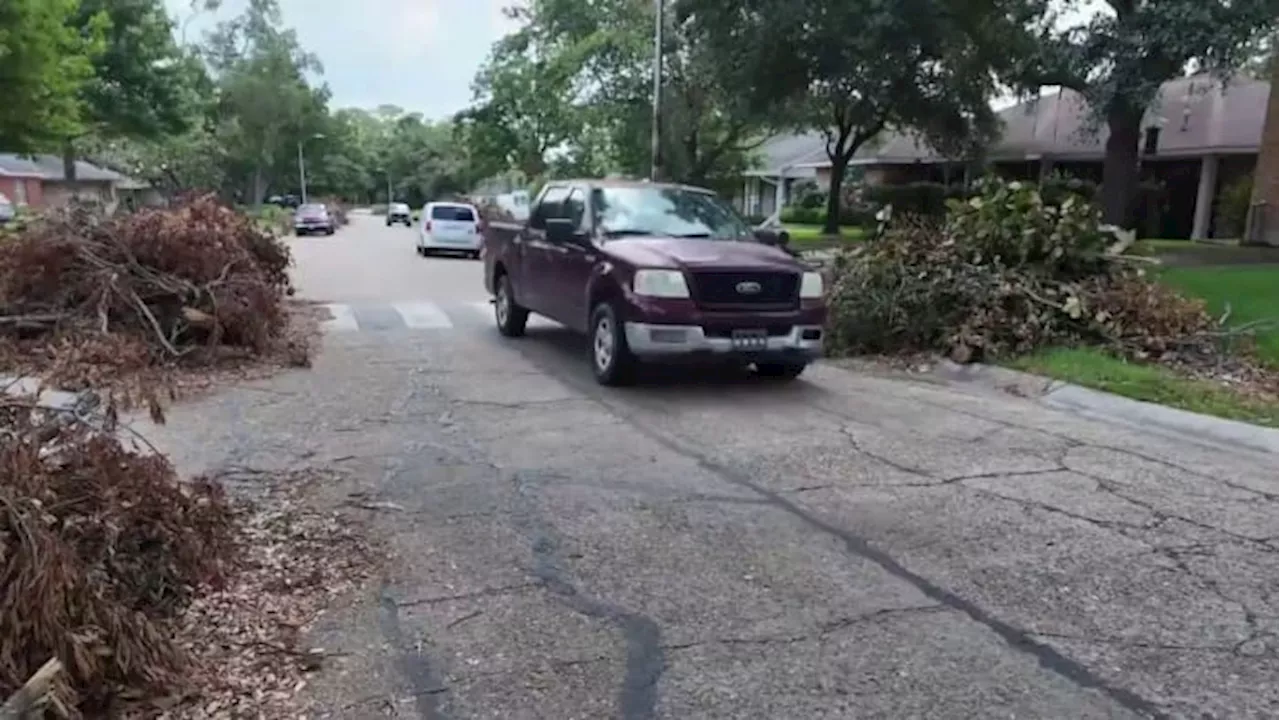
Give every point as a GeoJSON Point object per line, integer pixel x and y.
{"type": "Point", "coordinates": [1249, 290]}
{"type": "Point", "coordinates": [810, 237]}
{"type": "Point", "coordinates": [1094, 368]}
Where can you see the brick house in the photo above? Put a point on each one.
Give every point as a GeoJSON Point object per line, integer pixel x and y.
{"type": "Point", "coordinates": [1198, 138]}
{"type": "Point", "coordinates": [21, 182]}
{"type": "Point", "coordinates": [40, 181]}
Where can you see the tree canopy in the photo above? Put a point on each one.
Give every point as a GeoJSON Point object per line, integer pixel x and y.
{"type": "Point", "coordinates": [45, 61]}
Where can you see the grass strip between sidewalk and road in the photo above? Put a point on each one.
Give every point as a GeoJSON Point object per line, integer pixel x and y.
{"type": "Point", "coordinates": [1094, 368]}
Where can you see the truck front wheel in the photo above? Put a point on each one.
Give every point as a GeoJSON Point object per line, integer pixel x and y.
{"type": "Point", "coordinates": [611, 359]}
{"type": "Point", "coordinates": [510, 316]}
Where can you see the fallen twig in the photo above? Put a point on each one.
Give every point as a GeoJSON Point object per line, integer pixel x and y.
{"type": "Point", "coordinates": [33, 695]}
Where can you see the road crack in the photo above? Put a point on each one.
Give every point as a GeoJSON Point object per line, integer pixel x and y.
{"type": "Point", "coordinates": [645, 660]}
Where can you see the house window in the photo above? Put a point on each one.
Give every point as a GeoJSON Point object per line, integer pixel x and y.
{"type": "Point", "coordinates": [1151, 141]}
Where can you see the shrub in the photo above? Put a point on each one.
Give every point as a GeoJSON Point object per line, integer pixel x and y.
{"type": "Point", "coordinates": [920, 198]}
{"type": "Point", "coordinates": [1233, 208]}
{"type": "Point", "coordinates": [1004, 273]}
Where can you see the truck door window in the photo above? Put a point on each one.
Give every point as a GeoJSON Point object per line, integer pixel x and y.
{"type": "Point", "coordinates": [552, 205]}
{"type": "Point", "coordinates": [575, 207]}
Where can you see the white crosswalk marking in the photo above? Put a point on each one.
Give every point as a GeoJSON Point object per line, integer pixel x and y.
{"type": "Point", "coordinates": [535, 321]}
{"type": "Point", "coordinates": [422, 316]}
{"type": "Point", "coordinates": [343, 318]}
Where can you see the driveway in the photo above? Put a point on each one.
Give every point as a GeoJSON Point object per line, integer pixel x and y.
{"type": "Point", "coordinates": [846, 546]}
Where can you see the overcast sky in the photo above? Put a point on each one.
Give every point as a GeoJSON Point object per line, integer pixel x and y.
{"type": "Point", "coordinates": [418, 54]}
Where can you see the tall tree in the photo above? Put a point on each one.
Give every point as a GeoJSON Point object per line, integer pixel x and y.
{"type": "Point", "coordinates": [603, 54]}
{"type": "Point", "coordinates": [853, 69]}
{"type": "Point", "coordinates": [44, 63]}
{"type": "Point", "coordinates": [526, 104]}
{"type": "Point", "coordinates": [1118, 58]}
{"type": "Point", "coordinates": [140, 87]}
{"type": "Point", "coordinates": [267, 111]}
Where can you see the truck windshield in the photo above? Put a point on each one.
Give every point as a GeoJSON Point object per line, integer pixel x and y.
{"type": "Point", "coordinates": [673, 212]}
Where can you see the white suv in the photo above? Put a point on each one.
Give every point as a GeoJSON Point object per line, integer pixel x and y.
{"type": "Point", "coordinates": [450, 226]}
{"type": "Point", "coordinates": [7, 210]}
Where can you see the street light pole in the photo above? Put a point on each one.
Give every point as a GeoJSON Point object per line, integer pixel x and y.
{"type": "Point", "coordinates": [302, 173]}
{"type": "Point", "coordinates": [655, 136]}
{"type": "Point", "coordinates": [302, 165]}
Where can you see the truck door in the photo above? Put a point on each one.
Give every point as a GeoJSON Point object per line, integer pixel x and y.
{"type": "Point", "coordinates": [537, 270]}
{"type": "Point", "coordinates": [572, 263]}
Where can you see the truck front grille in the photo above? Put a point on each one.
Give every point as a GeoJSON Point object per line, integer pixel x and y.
{"type": "Point", "coordinates": [733, 290]}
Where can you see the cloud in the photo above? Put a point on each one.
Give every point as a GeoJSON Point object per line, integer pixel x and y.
{"type": "Point", "coordinates": [418, 54]}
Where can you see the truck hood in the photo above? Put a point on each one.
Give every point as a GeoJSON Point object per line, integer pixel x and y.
{"type": "Point", "coordinates": [694, 254]}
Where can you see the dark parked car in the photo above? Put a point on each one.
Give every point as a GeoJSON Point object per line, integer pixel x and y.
{"type": "Point", "coordinates": [654, 272]}
{"type": "Point", "coordinates": [313, 218]}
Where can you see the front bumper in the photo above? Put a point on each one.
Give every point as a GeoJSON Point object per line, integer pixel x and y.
{"type": "Point", "coordinates": [647, 340]}
{"type": "Point", "coordinates": [310, 226]}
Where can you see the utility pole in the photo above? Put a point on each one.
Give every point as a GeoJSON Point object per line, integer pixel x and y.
{"type": "Point", "coordinates": [655, 137]}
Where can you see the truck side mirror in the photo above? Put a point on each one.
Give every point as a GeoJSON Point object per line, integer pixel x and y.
{"type": "Point", "coordinates": [561, 231]}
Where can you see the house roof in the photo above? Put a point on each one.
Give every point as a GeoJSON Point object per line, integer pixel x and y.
{"type": "Point", "coordinates": [1196, 115]}
{"type": "Point", "coordinates": [14, 166]}
{"type": "Point", "coordinates": [50, 167]}
{"type": "Point", "coordinates": [790, 155]}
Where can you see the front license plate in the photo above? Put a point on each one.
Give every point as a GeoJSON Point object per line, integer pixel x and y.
{"type": "Point", "coordinates": [749, 340]}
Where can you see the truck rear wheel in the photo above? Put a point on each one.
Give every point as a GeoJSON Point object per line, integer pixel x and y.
{"type": "Point", "coordinates": [611, 359]}
{"type": "Point", "coordinates": [510, 316]}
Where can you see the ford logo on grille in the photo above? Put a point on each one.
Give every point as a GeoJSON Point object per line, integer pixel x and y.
{"type": "Point", "coordinates": [750, 287]}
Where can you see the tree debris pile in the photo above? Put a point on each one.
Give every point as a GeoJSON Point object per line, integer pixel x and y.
{"type": "Point", "coordinates": [1007, 273]}
{"type": "Point", "coordinates": [151, 288]}
{"type": "Point", "coordinates": [100, 548]}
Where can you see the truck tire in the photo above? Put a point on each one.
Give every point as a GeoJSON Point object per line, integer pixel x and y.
{"type": "Point", "coordinates": [511, 318]}
{"type": "Point", "coordinates": [781, 371]}
{"type": "Point", "coordinates": [611, 359]}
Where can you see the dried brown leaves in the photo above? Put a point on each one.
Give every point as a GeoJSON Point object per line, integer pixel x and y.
{"type": "Point", "coordinates": [245, 640]}
{"type": "Point", "coordinates": [99, 547]}
{"type": "Point", "coordinates": [86, 299]}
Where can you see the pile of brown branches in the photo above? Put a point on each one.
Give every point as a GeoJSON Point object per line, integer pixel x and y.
{"type": "Point", "coordinates": [141, 289]}
{"type": "Point", "coordinates": [100, 548]}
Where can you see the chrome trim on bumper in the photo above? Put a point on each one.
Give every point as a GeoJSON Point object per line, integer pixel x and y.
{"type": "Point", "coordinates": [689, 339]}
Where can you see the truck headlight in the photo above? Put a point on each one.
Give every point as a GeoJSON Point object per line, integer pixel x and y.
{"type": "Point", "coordinates": [811, 286]}
{"type": "Point", "coordinates": [660, 284]}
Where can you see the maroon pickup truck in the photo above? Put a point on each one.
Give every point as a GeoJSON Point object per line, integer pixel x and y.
{"type": "Point", "coordinates": [655, 273]}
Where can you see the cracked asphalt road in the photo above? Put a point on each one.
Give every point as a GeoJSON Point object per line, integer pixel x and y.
{"type": "Point", "coordinates": [847, 546]}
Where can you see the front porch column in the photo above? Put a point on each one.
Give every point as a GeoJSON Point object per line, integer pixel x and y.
{"type": "Point", "coordinates": [779, 195]}
{"type": "Point", "coordinates": [1204, 197]}
{"type": "Point", "coordinates": [1046, 169]}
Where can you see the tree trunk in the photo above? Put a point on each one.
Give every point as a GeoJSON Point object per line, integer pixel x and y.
{"type": "Point", "coordinates": [1260, 223]}
{"type": "Point", "coordinates": [839, 163]}
{"type": "Point", "coordinates": [1120, 166]}
{"type": "Point", "coordinates": [69, 166]}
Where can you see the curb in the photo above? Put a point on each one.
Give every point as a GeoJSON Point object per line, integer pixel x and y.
{"type": "Point", "coordinates": [55, 400]}
{"type": "Point", "coordinates": [1096, 404]}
